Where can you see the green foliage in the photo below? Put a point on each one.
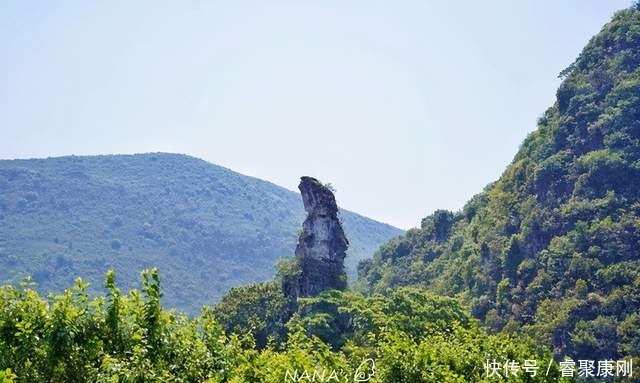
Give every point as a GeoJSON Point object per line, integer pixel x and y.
{"type": "Point", "coordinates": [288, 268]}
{"type": "Point", "coordinates": [546, 255]}
{"type": "Point", "coordinates": [70, 338]}
{"type": "Point", "coordinates": [7, 376]}
{"type": "Point", "coordinates": [411, 335]}
{"type": "Point", "coordinates": [454, 357]}
{"type": "Point", "coordinates": [206, 227]}
{"type": "Point", "coordinates": [550, 248]}
{"type": "Point", "coordinates": [259, 309]}
{"type": "Point", "coordinates": [414, 336]}
{"type": "Point", "coordinates": [337, 317]}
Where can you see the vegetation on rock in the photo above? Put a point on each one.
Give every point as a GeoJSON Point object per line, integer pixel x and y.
{"type": "Point", "coordinates": [543, 264]}
{"type": "Point", "coordinates": [551, 249]}
{"type": "Point", "coordinates": [205, 227]}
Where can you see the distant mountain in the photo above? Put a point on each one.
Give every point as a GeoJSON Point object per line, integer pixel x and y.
{"type": "Point", "coordinates": [205, 227]}
{"type": "Point", "coordinates": [551, 248]}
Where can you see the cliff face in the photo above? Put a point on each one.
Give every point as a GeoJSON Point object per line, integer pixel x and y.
{"type": "Point", "coordinates": [322, 243]}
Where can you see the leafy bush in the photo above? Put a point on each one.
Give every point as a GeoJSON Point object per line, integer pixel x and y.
{"type": "Point", "coordinates": [412, 335]}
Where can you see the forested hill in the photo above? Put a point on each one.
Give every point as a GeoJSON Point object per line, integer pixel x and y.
{"type": "Point", "coordinates": [554, 243]}
{"type": "Point", "coordinates": [205, 227]}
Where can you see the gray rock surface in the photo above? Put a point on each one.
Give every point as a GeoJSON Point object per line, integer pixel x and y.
{"type": "Point", "coordinates": [322, 244]}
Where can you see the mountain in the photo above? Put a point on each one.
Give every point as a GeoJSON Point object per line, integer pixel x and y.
{"type": "Point", "coordinates": [205, 227]}
{"type": "Point", "coordinates": [552, 247]}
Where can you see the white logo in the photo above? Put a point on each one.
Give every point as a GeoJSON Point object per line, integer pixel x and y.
{"type": "Point", "coordinates": [365, 371]}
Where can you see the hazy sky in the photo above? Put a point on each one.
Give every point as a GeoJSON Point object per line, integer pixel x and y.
{"type": "Point", "coordinates": [405, 106]}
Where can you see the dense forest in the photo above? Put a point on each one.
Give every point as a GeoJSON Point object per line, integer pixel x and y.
{"type": "Point", "coordinates": [551, 248]}
{"type": "Point", "coordinates": [82, 215]}
{"type": "Point", "coordinates": [538, 271]}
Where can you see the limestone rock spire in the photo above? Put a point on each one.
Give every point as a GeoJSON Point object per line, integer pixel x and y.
{"type": "Point", "coordinates": [322, 244]}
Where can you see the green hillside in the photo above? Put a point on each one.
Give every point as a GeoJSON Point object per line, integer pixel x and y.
{"type": "Point", "coordinates": [205, 227]}
{"type": "Point", "coordinates": [552, 247]}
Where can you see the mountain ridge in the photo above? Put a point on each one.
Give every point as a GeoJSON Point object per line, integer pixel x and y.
{"type": "Point", "coordinates": [551, 247]}
{"type": "Point", "coordinates": [73, 215]}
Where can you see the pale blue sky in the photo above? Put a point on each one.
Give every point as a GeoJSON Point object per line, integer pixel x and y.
{"type": "Point", "coordinates": [405, 106]}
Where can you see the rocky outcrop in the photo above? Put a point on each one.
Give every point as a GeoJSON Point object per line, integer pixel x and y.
{"type": "Point", "coordinates": [322, 244]}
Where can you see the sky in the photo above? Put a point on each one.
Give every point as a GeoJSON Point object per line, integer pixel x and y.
{"type": "Point", "coordinates": [404, 106]}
